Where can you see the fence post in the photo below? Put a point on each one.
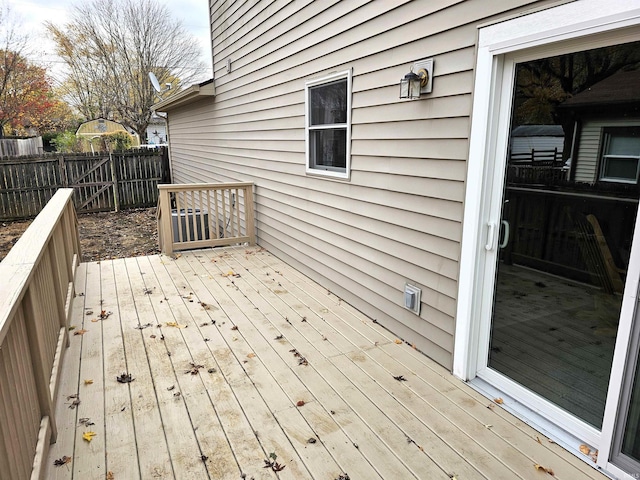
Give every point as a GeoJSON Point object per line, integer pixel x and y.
{"type": "Point", "coordinates": [114, 179]}
{"type": "Point", "coordinates": [63, 172]}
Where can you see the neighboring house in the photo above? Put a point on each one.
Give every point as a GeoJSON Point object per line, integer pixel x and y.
{"type": "Point", "coordinates": [157, 130]}
{"type": "Point", "coordinates": [403, 208]}
{"type": "Point", "coordinates": [537, 141]}
{"type": "Point", "coordinates": [95, 129]}
{"type": "Point", "coordinates": [607, 119]}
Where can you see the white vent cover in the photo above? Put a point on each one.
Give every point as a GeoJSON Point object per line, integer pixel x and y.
{"type": "Point", "coordinates": [412, 296]}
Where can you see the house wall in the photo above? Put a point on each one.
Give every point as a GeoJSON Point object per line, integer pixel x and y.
{"type": "Point", "coordinates": [526, 144]}
{"type": "Point", "coordinates": [398, 219]}
{"type": "Point", "coordinates": [589, 147]}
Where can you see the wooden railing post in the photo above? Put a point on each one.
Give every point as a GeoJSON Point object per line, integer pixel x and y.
{"type": "Point", "coordinates": [249, 214]}
{"type": "Point", "coordinates": [165, 234]}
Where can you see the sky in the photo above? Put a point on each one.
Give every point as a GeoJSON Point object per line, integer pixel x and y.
{"type": "Point", "coordinates": [193, 13]}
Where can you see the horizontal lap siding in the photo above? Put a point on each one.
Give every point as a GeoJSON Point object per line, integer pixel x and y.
{"type": "Point", "coordinates": [399, 218]}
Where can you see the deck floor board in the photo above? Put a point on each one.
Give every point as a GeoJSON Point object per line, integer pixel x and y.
{"type": "Point", "coordinates": [243, 319]}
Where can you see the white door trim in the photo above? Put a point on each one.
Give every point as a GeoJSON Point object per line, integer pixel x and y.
{"type": "Point", "coordinates": [583, 22]}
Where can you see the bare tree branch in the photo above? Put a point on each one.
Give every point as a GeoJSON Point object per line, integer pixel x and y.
{"type": "Point", "coordinates": [109, 48]}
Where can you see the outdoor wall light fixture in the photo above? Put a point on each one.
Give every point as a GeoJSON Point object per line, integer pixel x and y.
{"type": "Point", "coordinates": [413, 84]}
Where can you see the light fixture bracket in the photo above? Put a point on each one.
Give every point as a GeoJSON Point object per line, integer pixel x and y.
{"type": "Point", "coordinates": [424, 68]}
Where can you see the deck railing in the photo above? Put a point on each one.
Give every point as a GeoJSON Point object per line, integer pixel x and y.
{"type": "Point", "coordinates": [202, 215]}
{"type": "Point", "coordinates": [36, 295]}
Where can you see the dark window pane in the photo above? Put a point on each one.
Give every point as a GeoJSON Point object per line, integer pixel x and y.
{"type": "Point", "coordinates": [329, 103]}
{"type": "Point", "coordinates": [328, 148]}
{"type": "Point", "coordinates": [620, 167]}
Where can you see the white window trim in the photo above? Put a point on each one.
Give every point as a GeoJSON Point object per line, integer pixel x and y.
{"type": "Point", "coordinates": [320, 171]}
{"type": "Point", "coordinates": [567, 23]}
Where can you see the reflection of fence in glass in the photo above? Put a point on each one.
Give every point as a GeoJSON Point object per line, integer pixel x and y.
{"type": "Point", "coordinates": [205, 215]}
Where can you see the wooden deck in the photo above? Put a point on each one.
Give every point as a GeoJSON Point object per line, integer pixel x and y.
{"type": "Point", "coordinates": [225, 345]}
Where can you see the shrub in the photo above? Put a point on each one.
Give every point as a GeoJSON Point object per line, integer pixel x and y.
{"type": "Point", "coordinates": [67, 142]}
{"type": "Point", "coordinates": [117, 141]}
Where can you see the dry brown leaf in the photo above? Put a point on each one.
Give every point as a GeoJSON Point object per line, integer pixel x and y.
{"type": "Point", "coordinates": [173, 324]}
{"type": "Point", "coordinates": [300, 403]}
{"type": "Point", "coordinates": [62, 461]}
{"type": "Point", "coordinates": [88, 436]}
{"type": "Point", "coordinates": [594, 456]}
{"type": "Point", "coordinates": [537, 466]}
{"type": "Point", "coordinates": [110, 475]}
{"type": "Point", "coordinates": [398, 341]}
{"type": "Point", "coordinates": [251, 355]}
{"type": "Point", "coordinates": [498, 400]}
{"type": "Point", "coordinates": [88, 382]}
{"type": "Point", "coordinates": [538, 440]}
{"type": "Point", "coordinates": [585, 450]}
{"type": "Point", "coordinates": [82, 331]}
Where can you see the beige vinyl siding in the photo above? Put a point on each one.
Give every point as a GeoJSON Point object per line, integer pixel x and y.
{"type": "Point", "coordinates": [588, 160]}
{"type": "Point", "coordinates": [398, 218]}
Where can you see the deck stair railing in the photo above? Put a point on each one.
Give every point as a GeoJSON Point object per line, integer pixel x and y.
{"type": "Point", "coordinates": [203, 215]}
{"type": "Point", "coordinates": [36, 296]}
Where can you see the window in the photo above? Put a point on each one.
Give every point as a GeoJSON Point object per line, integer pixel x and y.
{"type": "Point", "coordinates": [328, 117]}
{"type": "Point", "coordinates": [621, 155]}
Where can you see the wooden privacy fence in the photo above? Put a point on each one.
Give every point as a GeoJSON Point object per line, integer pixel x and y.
{"type": "Point", "coordinates": [204, 215]}
{"type": "Point", "coordinates": [101, 182]}
{"type": "Point", "coordinates": [35, 303]}
{"type": "Point", "coordinates": [13, 147]}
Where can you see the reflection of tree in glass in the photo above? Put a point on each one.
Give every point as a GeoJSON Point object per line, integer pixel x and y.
{"type": "Point", "coordinates": [542, 85]}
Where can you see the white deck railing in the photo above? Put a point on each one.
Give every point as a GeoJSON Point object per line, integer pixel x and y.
{"type": "Point", "coordinates": [36, 295]}
{"type": "Point", "coordinates": [202, 215]}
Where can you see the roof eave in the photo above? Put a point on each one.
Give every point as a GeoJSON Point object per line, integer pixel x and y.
{"type": "Point", "coordinates": [186, 96]}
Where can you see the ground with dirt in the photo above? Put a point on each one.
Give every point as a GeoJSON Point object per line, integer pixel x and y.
{"type": "Point", "coordinates": [103, 235]}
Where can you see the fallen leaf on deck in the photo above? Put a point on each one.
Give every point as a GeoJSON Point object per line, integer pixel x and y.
{"type": "Point", "coordinates": [86, 422]}
{"type": "Point", "coordinates": [398, 341]}
{"type": "Point", "coordinates": [538, 440]}
{"type": "Point", "coordinates": [488, 426]}
{"type": "Point", "coordinates": [104, 314]}
{"type": "Point", "coordinates": [71, 327]}
{"type": "Point", "coordinates": [537, 466]}
{"type": "Point", "coordinates": [195, 369]}
{"type": "Point", "coordinates": [498, 400]}
{"type": "Point", "coordinates": [300, 403]}
{"type": "Point", "coordinates": [88, 436]}
{"type": "Point", "coordinates": [62, 461]}
{"type": "Point", "coordinates": [400, 378]}
{"type": "Point", "coordinates": [89, 312]}
{"type": "Point", "coordinates": [594, 456]}
{"type": "Point", "coordinates": [235, 327]}
{"type": "Point", "coordinates": [110, 475]}
{"type": "Point", "coordinates": [585, 450]}
{"type": "Point", "coordinates": [173, 324]}
{"type": "Point", "coordinates": [125, 378]}
{"type": "Point", "coordinates": [88, 382]}
{"type": "Point", "coordinates": [251, 355]}
{"type": "Point", "coordinates": [80, 332]}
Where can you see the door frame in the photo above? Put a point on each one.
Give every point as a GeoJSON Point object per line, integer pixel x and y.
{"type": "Point", "coordinates": [551, 31]}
